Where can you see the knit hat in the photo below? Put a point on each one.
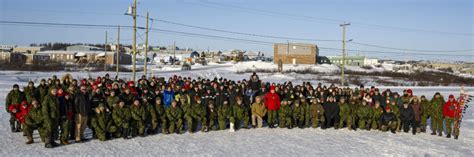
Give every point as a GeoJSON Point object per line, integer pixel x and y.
{"type": "Point", "coordinates": [387, 108]}
{"type": "Point", "coordinates": [451, 96]}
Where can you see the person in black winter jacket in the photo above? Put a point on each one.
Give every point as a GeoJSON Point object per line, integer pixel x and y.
{"type": "Point", "coordinates": [331, 112]}
{"type": "Point", "coordinates": [407, 116]}
{"type": "Point", "coordinates": [82, 109]}
{"type": "Point", "coordinates": [388, 120]}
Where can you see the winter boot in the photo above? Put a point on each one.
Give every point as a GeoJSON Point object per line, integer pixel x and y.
{"type": "Point", "coordinates": [30, 141]}
{"type": "Point", "coordinates": [64, 142]}
{"type": "Point", "coordinates": [456, 137]}
{"type": "Point", "coordinates": [270, 125]}
{"type": "Point", "coordinates": [440, 134]}
{"type": "Point", "coordinates": [125, 134]}
{"type": "Point", "coordinates": [48, 145]}
{"type": "Point", "coordinates": [433, 133]}
{"type": "Point", "coordinates": [393, 131]}
{"type": "Point", "coordinates": [448, 136]}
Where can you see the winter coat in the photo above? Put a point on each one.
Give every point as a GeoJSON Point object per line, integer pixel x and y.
{"type": "Point", "coordinates": [224, 112]}
{"type": "Point", "coordinates": [272, 101]}
{"type": "Point", "coordinates": [364, 112]}
{"type": "Point", "coordinates": [331, 109]}
{"type": "Point", "coordinates": [436, 107]}
{"type": "Point", "coordinates": [407, 114]}
{"type": "Point", "coordinates": [82, 104]}
{"type": "Point", "coordinates": [66, 108]}
{"type": "Point", "coordinates": [37, 118]}
{"type": "Point", "coordinates": [285, 112]}
{"type": "Point", "coordinates": [377, 113]}
{"type": "Point", "coordinates": [50, 107]}
{"type": "Point", "coordinates": [138, 113]}
{"type": "Point", "coordinates": [345, 110]}
{"type": "Point", "coordinates": [174, 114]}
{"type": "Point", "coordinates": [21, 112]}
{"type": "Point", "coordinates": [240, 111]}
{"type": "Point", "coordinates": [112, 101]}
{"type": "Point", "coordinates": [13, 97]}
{"type": "Point", "coordinates": [298, 112]}
{"type": "Point", "coordinates": [316, 110]}
{"type": "Point", "coordinates": [30, 94]}
{"type": "Point", "coordinates": [418, 110]}
{"type": "Point", "coordinates": [387, 117]}
{"type": "Point", "coordinates": [121, 116]}
{"type": "Point", "coordinates": [168, 96]}
{"type": "Point", "coordinates": [259, 109]}
{"type": "Point", "coordinates": [451, 109]}
{"type": "Point", "coordinates": [127, 98]}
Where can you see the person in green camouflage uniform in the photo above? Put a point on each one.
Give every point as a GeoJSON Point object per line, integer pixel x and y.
{"type": "Point", "coordinates": [223, 114]}
{"type": "Point", "coordinates": [316, 113]}
{"type": "Point", "coordinates": [425, 104]}
{"type": "Point", "coordinates": [121, 116]}
{"type": "Point", "coordinates": [377, 111]}
{"type": "Point", "coordinates": [42, 90]}
{"type": "Point", "coordinates": [394, 108]}
{"type": "Point", "coordinates": [353, 106]}
{"type": "Point", "coordinates": [200, 113]}
{"type": "Point", "coordinates": [161, 117]}
{"type": "Point", "coordinates": [188, 113]}
{"type": "Point", "coordinates": [138, 113]}
{"type": "Point", "coordinates": [50, 107]}
{"type": "Point", "coordinates": [285, 115]}
{"type": "Point", "coordinates": [151, 117]}
{"type": "Point", "coordinates": [213, 116]}
{"type": "Point", "coordinates": [175, 114]}
{"type": "Point", "coordinates": [112, 100]}
{"type": "Point", "coordinates": [364, 113]}
{"type": "Point", "coordinates": [240, 114]}
{"type": "Point", "coordinates": [102, 123]}
{"type": "Point", "coordinates": [298, 114]}
{"type": "Point", "coordinates": [30, 92]}
{"type": "Point", "coordinates": [37, 119]}
{"type": "Point", "coordinates": [14, 97]}
{"type": "Point", "coordinates": [435, 113]}
{"type": "Point", "coordinates": [306, 105]}
{"type": "Point", "coordinates": [344, 114]}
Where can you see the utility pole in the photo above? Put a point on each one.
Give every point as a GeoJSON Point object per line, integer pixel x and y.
{"type": "Point", "coordinates": [174, 51]}
{"type": "Point", "coordinates": [105, 52]}
{"type": "Point", "coordinates": [343, 51]}
{"type": "Point", "coordinates": [134, 46]}
{"type": "Point", "coordinates": [117, 64]}
{"type": "Point", "coordinates": [146, 46]}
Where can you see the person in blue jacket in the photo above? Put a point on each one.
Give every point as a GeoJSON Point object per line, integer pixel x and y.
{"type": "Point", "coordinates": [168, 96]}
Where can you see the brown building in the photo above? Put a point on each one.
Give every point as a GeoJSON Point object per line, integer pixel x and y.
{"type": "Point", "coordinates": [297, 53]}
{"type": "Point", "coordinates": [111, 58]}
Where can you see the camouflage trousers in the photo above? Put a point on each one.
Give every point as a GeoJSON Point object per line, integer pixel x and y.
{"type": "Point", "coordinates": [392, 125]}
{"type": "Point", "coordinates": [451, 124]}
{"type": "Point", "coordinates": [347, 119]}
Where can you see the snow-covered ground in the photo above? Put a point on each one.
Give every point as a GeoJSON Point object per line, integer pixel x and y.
{"type": "Point", "coordinates": [254, 142]}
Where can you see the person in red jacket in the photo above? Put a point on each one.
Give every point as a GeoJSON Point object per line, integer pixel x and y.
{"type": "Point", "coordinates": [20, 112]}
{"type": "Point", "coordinates": [272, 101]}
{"type": "Point", "coordinates": [451, 111]}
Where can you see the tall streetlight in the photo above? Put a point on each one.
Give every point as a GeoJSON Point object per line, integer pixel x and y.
{"type": "Point", "coordinates": [343, 50]}
{"type": "Point", "coordinates": [132, 10]}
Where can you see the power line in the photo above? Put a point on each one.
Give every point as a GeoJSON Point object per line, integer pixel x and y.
{"type": "Point", "coordinates": [402, 49]}
{"type": "Point", "coordinates": [329, 20]}
{"type": "Point", "coordinates": [240, 33]}
{"type": "Point", "coordinates": [213, 37]}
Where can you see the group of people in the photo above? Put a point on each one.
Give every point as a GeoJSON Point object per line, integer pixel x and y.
{"type": "Point", "coordinates": [61, 109]}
